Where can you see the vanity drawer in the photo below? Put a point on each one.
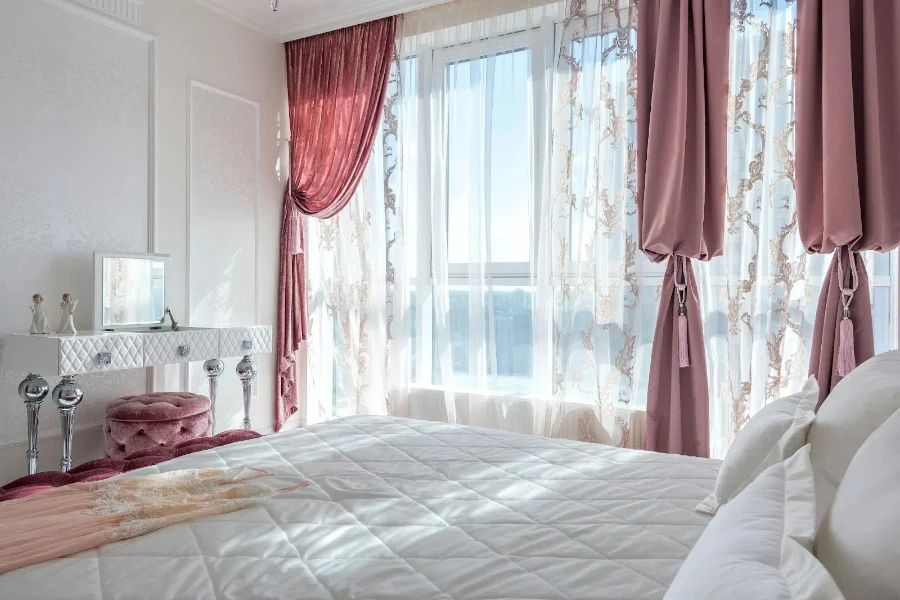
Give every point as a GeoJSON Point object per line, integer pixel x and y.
{"type": "Point", "coordinates": [170, 347]}
{"type": "Point", "coordinates": [95, 354]}
{"type": "Point", "coordinates": [233, 341]}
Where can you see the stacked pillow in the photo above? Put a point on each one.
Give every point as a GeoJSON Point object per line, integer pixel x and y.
{"type": "Point", "coordinates": [772, 435]}
{"type": "Point", "coordinates": [774, 496]}
{"type": "Point", "coordinates": [759, 543]}
{"type": "Point", "coordinates": [859, 541]}
{"type": "Point", "coordinates": [860, 403]}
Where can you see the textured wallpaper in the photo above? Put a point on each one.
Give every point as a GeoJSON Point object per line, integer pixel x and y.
{"type": "Point", "coordinates": [73, 178]}
{"type": "Point", "coordinates": [224, 180]}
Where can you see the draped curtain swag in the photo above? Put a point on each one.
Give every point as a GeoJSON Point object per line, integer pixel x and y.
{"type": "Point", "coordinates": [682, 71]}
{"type": "Point", "coordinates": [336, 90]}
{"type": "Point", "coordinates": [848, 141]}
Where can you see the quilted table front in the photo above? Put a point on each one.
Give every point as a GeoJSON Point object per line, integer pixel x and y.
{"type": "Point", "coordinates": [402, 510]}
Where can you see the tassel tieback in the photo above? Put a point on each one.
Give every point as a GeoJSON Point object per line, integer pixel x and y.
{"type": "Point", "coordinates": [684, 357]}
{"type": "Point", "coordinates": [846, 359]}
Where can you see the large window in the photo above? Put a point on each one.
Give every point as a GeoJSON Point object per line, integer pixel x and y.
{"type": "Point", "coordinates": [499, 257]}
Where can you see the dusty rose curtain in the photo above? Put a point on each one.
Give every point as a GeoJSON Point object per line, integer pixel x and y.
{"type": "Point", "coordinates": [848, 164]}
{"type": "Point", "coordinates": [682, 127]}
{"type": "Point", "coordinates": [336, 88]}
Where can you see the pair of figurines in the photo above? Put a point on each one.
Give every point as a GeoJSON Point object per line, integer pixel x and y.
{"type": "Point", "coordinates": [40, 324]}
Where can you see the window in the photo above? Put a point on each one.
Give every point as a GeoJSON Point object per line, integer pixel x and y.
{"type": "Point", "coordinates": [476, 298]}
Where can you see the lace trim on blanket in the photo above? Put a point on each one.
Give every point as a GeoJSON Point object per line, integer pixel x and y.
{"type": "Point", "coordinates": [152, 502]}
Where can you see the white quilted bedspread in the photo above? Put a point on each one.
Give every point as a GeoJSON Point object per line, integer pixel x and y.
{"type": "Point", "coordinates": [412, 510]}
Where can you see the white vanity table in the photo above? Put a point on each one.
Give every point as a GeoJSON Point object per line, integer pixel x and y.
{"type": "Point", "coordinates": [102, 351]}
{"type": "Point", "coordinates": [130, 332]}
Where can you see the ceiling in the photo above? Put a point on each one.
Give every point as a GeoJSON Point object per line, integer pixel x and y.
{"type": "Point", "coordinates": [299, 18]}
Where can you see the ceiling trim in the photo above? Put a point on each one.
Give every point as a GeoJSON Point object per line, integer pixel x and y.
{"type": "Point", "coordinates": [370, 12]}
{"type": "Point", "coordinates": [229, 15]}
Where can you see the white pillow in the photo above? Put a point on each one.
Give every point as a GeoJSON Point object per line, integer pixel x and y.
{"type": "Point", "coordinates": [859, 404]}
{"type": "Point", "coordinates": [772, 435]}
{"type": "Point", "coordinates": [757, 546]}
{"type": "Point", "coordinates": [859, 541]}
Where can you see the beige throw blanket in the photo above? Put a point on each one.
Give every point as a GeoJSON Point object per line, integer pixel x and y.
{"type": "Point", "coordinates": [82, 516]}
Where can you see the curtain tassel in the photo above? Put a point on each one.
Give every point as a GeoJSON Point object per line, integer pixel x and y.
{"type": "Point", "coordinates": [846, 360]}
{"type": "Point", "coordinates": [684, 359]}
{"type": "Point", "coordinates": [847, 351]}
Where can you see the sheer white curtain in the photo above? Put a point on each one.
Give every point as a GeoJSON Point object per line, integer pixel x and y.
{"type": "Point", "coordinates": [484, 75]}
{"type": "Point", "coordinates": [359, 347]}
{"type": "Point", "coordinates": [528, 306]}
{"type": "Point", "coordinates": [487, 272]}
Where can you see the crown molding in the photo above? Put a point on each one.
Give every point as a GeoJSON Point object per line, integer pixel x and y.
{"type": "Point", "coordinates": [367, 11]}
{"type": "Point", "coordinates": [230, 15]}
{"type": "Point", "coordinates": [370, 11]}
{"type": "Point", "coordinates": [130, 11]}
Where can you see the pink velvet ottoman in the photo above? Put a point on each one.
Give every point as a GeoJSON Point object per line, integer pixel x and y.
{"type": "Point", "coordinates": [163, 419]}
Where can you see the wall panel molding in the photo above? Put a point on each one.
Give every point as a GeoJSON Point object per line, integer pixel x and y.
{"type": "Point", "coordinates": [130, 11]}
{"type": "Point", "coordinates": [53, 223]}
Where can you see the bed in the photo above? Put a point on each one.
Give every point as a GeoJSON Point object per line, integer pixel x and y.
{"type": "Point", "coordinates": [402, 509]}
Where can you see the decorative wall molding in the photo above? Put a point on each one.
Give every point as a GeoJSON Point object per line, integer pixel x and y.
{"type": "Point", "coordinates": [120, 16]}
{"type": "Point", "coordinates": [364, 12]}
{"type": "Point", "coordinates": [211, 5]}
{"type": "Point", "coordinates": [312, 24]}
{"type": "Point", "coordinates": [130, 11]}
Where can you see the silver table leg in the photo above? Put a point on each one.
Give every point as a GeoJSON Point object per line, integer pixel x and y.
{"type": "Point", "coordinates": [213, 368]}
{"type": "Point", "coordinates": [246, 372]}
{"type": "Point", "coordinates": [33, 390]}
{"type": "Point", "coordinates": [68, 395]}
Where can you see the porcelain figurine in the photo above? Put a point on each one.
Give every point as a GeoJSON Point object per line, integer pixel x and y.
{"type": "Point", "coordinates": [39, 322]}
{"type": "Point", "coordinates": [67, 321]}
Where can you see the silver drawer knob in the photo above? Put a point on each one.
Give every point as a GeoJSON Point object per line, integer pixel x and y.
{"type": "Point", "coordinates": [104, 358]}
{"type": "Point", "coordinates": [247, 346]}
{"type": "Point", "coordinates": [184, 350]}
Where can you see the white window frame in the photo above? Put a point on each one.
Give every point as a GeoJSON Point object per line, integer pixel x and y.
{"type": "Point", "coordinates": [431, 78]}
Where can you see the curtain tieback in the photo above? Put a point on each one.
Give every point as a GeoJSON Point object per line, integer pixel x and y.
{"type": "Point", "coordinates": [847, 350]}
{"type": "Point", "coordinates": [296, 245]}
{"type": "Point", "coordinates": [684, 358]}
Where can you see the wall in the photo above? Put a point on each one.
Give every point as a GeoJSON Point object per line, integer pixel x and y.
{"type": "Point", "coordinates": [156, 128]}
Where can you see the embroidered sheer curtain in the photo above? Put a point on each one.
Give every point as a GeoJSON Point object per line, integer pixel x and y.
{"type": "Point", "coordinates": [759, 298]}
{"type": "Point", "coordinates": [487, 270]}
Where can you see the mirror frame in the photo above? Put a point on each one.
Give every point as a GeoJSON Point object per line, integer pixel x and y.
{"type": "Point", "coordinates": [98, 287]}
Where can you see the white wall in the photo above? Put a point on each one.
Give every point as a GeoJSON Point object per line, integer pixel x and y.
{"type": "Point", "coordinates": [154, 129]}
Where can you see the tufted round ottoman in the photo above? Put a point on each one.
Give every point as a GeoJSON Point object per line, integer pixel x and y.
{"type": "Point", "coordinates": [137, 423]}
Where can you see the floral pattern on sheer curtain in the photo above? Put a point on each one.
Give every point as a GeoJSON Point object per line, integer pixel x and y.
{"type": "Point", "coordinates": [760, 296]}
{"type": "Point", "coordinates": [411, 291]}
{"type": "Point", "coordinates": [603, 293]}
{"type": "Point", "coordinates": [358, 350]}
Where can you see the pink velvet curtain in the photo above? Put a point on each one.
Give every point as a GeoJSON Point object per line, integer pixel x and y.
{"type": "Point", "coordinates": [682, 127]}
{"type": "Point", "coordinates": [336, 88]}
{"type": "Point", "coordinates": [848, 164]}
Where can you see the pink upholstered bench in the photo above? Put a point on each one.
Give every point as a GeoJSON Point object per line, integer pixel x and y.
{"type": "Point", "coordinates": [164, 419]}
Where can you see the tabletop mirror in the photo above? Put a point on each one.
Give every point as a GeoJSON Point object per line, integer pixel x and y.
{"type": "Point", "coordinates": [129, 290]}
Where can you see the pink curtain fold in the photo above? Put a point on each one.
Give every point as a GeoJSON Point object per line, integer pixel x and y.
{"type": "Point", "coordinates": [847, 165]}
{"type": "Point", "coordinates": [336, 88]}
{"type": "Point", "coordinates": [682, 127]}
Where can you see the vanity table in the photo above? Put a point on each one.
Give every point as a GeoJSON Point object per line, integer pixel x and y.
{"type": "Point", "coordinates": [102, 351]}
